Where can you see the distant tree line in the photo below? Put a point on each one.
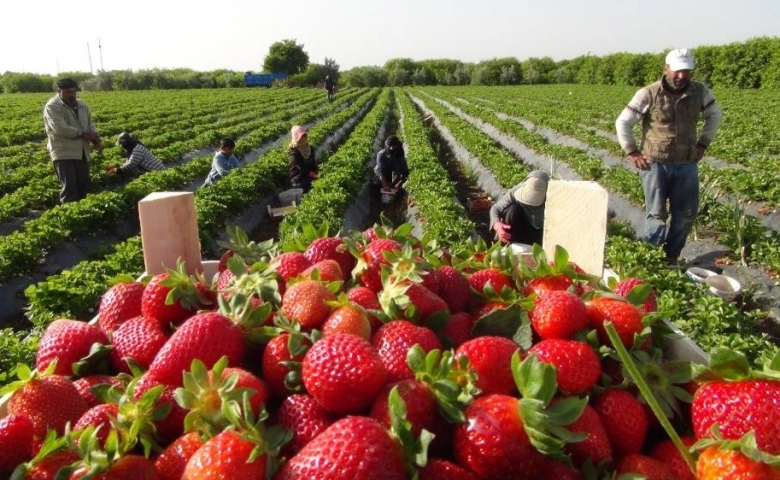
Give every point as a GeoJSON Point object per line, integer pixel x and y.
{"type": "Point", "coordinates": [754, 63]}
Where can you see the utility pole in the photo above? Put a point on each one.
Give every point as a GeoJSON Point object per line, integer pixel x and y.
{"type": "Point", "coordinates": [100, 48]}
{"type": "Point", "coordinates": [89, 54]}
{"type": "Point", "coordinates": [57, 61]}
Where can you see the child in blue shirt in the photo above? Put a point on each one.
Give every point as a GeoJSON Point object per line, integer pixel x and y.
{"type": "Point", "coordinates": [224, 161]}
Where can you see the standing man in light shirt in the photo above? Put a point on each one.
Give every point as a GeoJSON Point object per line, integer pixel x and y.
{"type": "Point", "coordinates": [670, 148]}
{"type": "Point", "coordinates": [70, 132]}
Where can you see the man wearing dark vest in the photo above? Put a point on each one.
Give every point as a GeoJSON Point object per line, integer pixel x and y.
{"type": "Point", "coordinates": [670, 148]}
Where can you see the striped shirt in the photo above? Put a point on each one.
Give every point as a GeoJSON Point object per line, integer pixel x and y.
{"type": "Point", "coordinates": [141, 161]}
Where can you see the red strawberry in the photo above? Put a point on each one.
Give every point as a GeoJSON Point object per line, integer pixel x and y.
{"type": "Point", "coordinates": [207, 337]}
{"type": "Point", "coordinates": [576, 365]}
{"type": "Point", "coordinates": [348, 318]}
{"type": "Point", "coordinates": [328, 270]}
{"type": "Point", "coordinates": [368, 269]}
{"type": "Point", "coordinates": [290, 264]}
{"type": "Point", "coordinates": [717, 464]}
{"type": "Point", "coordinates": [454, 288]}
{"type": "Point", "coordinates": [558, 314]}
{"type": "Point", "coordinates": [16, 442]}
{"type": "Point", "coordinates": [171, 462]}
{"type": "Point", "coordinates": [626, 318]}
{"type": "Point", "coordinates": [67, 342]}
{"type": "Point", "coordinates": [596, 445]}
{"type": "Point", "coordinates": [350, 449]}
{"type": "Point", "coordinates": [127, 467]}
{"type": "Point", "coordinates": [139, 339]}
{"type": "Point", "coordinates": [439, 469]}
{"type": "Point", "coordinates": [330, 248]}
{"type": "Point", "coordinates": [306, 303]}
{"type": "Point", "coordinates": [739, 407]}
{"type": "Point", "coordinates": [422, 409]}
{"type": "Point", "coordinates": [119, 303]}
{"type": "Point", "coordinates": [624, 420]}
{"type": "Point", "coordinates": [366, 298]}
{"type": "Point", "coordinates": [644, 465]}
{"type": "Point", "coordinates": [305, 418]}
{"type": "Point", "coordinates": [46, 468]}
{"type": "Point", "coordinates": [490, 357]}
{"type": "Point", "coordinates": [344, 373]}
{"type": "Point", "coordinates": [247, 379]}
{"type": "Point", "coordinates": [425, 302]}
{"type": "Point", "coordinates": [667, 453]}
{"type": "Point", "coordinates": [100, 417]}
{"type": "Point", "coordinates": [173, 296]}
{"type": "Point", "coordinates": [458, 329]}
{"type": "Point", "coordinates": [393, 341]}
{"type": "Point", "coordinates": [547, 283]}
{"type": "Point", "coordinates": [624, 287]}
{"type": "Point", "coordinates": [489, 276]}
{"type": "Point", "coordinates": [493, 443]}
{"type": "Point", "coordinates": [277, 359]}
{"type": "Point", "coordinates": [85, 385]}
{"type": "Point", "coordinates": [49, 401]}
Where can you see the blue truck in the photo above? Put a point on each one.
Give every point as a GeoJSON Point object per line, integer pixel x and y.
{"type": "Point", "coordinates": [262, 79]}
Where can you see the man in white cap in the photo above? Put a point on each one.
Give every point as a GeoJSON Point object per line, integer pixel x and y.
{"type": "Point", "coordinates": [670, 148]}
{"type": "Point", "coordinates": [518, 216]}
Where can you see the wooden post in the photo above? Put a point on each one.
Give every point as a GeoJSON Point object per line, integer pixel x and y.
{"type": "Point", "coordinates": [169, 231]}
{"type": "Point", "coordinates": [575, 217]}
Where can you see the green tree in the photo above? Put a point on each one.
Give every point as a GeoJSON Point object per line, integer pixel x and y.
{"type": "Point", "coordinates": [365, 77]}
{"type": "Point", "coordinates": [286, 57]}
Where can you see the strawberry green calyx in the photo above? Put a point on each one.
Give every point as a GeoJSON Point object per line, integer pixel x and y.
{"type": "Point", "coordinates": [415, 450]}
{"type": "Point", "coordinates": [238, 242]}
{"type": "Point", "coordinates": [206, 395]}
{"type": "Point", "coordinates": [183, 288]}
{"type": "Point", "coordinates": [746, 445]}
{"type": "Point", "coordinates": [450, 379]}
{"type": "Point", "coordinates": [726, 364]}
{"type": "Point", "coordinates": [25, 375]}
{"type": "Point", "coordinates": [52, 444]}
{"type": "Point", "coordinates": [545, 423]}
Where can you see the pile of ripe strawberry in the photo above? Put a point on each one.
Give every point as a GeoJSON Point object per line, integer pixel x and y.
{"type": "Point", "coordinates": [378, 356]}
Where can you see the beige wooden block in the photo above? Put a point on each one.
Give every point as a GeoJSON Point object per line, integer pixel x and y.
{"type": "Point", "coordinates": [169, 231]}
{"type": "Point", "coordinates": [575, 217]}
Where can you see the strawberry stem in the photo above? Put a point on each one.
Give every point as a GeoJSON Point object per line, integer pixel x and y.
{"type": "Point", "coordinates": [640, 382]}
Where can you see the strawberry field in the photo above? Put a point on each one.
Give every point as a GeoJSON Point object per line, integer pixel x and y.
{"type": "Point", "coordinates": [465, 146]}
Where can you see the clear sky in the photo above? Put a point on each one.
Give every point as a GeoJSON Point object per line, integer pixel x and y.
{"type": "Point", "coordinates": [47, 36]}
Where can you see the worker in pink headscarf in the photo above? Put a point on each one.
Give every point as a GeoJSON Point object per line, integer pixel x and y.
{"type": "Point", "coordinates": [301, 159]}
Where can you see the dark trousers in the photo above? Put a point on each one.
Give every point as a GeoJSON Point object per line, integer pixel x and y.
{"type": "Point", "coordinates": [74, 179]}
{"type": "Point", "coordinates": [521, 230]}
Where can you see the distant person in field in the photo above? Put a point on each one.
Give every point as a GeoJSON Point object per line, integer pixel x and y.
{"type": "Point", "coordinates": [518, 216]}
{"type": "Point", "coordinates": [139, 159]}
{"type": "Point", "coordinates": [670, 148]}
{"type": "Point", "coordinates": [329, 87]}
{"type": "Point", "coordinates": [71, 135]}
{"type": "Point", "coordinates": [224, 161]}
{"type": "Point", "coordinates": [391, 169]}
{"type": "Point", "coordinates": [301, 159]}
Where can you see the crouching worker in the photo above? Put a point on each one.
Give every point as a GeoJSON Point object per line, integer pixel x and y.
{"type": "Point", "coordinates": [391, 168]}
{"type": "Point", "coordinates": [224, 161]}
{"type": "Point", "coordinates": [139, 159]}
{"type": "Point", "coordinates": [301, 159]}
{"type": "Point", "coordinates": [518, 216]}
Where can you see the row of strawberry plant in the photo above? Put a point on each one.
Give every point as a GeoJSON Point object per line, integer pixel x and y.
{"type": "Point", "coordinates": [21, 249]}
{"type": "Point", "coordinates": [75, 292]}
{"type": "Point", "coordinates": [507, 170]}
{"type": "Point", "coordinates": [430, 190]}
{"type": "Point", "coordinates": [340, 179]}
